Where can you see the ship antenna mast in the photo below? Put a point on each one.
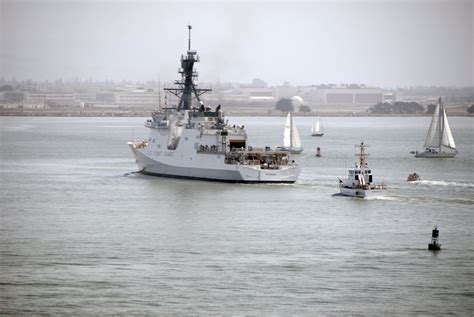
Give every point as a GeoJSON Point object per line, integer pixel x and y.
{"type": "Point", "coordinates": [362, 155]}
{"type": "Point", "coordinates": [187, 90]}
{"type": "Point", "coordinates": [189, 37]}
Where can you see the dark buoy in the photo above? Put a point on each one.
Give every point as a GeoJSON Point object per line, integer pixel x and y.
{"type": "Point", "coordinates": [318, 152]}
{"type": "Point", "coordinates": [434, 245]}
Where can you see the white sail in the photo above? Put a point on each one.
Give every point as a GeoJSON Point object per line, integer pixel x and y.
{"type": "Point", "coordinates": [317, 127]}
{"type": "Point", "coordinates": [439, 133]}
{"type": "Point", "coordinates": [296, 142]}
{"type": "Point", "coordinates": [447, 139]}
{"type": "Point", "coordinates": [291, 138]}
{"type": "Point", "coordinates": [439, 137]}
{"type": "Point", "coordinates": [432, 138]}
{"type": "Point", "coordinates": [287, 132]}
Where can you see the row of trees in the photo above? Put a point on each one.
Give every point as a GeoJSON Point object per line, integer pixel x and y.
{"type": "Point", "coordinates": [285, 105]}
{"type": "Point", "coordinates": [398, 107]}
{"type": "Point", "coordinates": [401, 107]}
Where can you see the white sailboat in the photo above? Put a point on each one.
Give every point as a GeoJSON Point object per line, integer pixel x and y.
{"type": "Point", "coordinates": [439, 141]}
{"type": "Point", "coordinates": [317, 128]}
{"type": "Point", "coordinates": [291, 138]}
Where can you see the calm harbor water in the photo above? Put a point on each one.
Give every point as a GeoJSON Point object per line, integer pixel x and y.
{"type": "Point", "coordinates": [80, 233]}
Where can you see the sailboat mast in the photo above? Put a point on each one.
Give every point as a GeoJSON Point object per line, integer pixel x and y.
{"type": "Point", "coordinates": [291, 129]}
{"type": "Point", "coordinates": [441, 123]}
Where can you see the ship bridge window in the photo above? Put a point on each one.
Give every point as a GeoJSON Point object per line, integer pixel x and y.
{"type": "Point", "coordinates": [236, 144]}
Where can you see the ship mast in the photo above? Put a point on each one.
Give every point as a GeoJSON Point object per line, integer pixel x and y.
{"type": "Point", "coordinates": [362, 155]}
{"type": "Point", "coordinates": [291, 129]}
{"type": "Point", "coordinates": [441, 123]}
{"type": "Point", "coordinates": [186, 85]}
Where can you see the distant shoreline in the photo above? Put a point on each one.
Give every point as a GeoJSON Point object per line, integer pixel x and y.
{"type": "Point", "coordinates": [229, 113]}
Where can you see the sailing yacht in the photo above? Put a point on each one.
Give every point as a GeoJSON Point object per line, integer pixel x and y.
{"type": "Point", "coordinates": [291, 138]}
{"type": "Point", "coordinates": [439, 141]}
{"type": "Point", "coordinates": [317, 128]}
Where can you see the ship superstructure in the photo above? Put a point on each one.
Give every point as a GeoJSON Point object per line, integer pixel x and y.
{"type": "Point", "coordinates": [359, 181]}
{"type": "Point", "coordinates": [192, 140]}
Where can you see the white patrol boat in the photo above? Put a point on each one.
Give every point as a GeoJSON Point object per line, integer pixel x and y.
{"type": "Point", "coordinates": [198, 143]}
{"type": "Point", "coordinates": [359, 182]}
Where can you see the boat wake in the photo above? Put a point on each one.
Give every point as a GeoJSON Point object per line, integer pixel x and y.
{"type": "Point", "coordinates": [312, 184]}
{"type": "Point", "coordinates": [386, 198]}
{"type": "Point", "coordinates": [444, 183]}
{"type": "Point", "coordinates": [131, 173]}
{"type": "Point", "coordinates": [423, 199]}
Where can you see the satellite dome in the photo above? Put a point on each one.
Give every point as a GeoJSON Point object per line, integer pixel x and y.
{"type": "Point", "coordinates": [296, 101]}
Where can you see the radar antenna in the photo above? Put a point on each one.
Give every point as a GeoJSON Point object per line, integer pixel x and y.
{"type": "Point", "coordinates": [187, 87]}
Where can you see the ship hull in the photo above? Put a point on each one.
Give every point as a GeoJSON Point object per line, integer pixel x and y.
{"type": "Point", "coordinates": [317, 134]}
{"type": "Point", "coordinates": [436, 155]}
{"type": "Point", "coordinates": [223, 180]}
{"type": "Point", "coordinates": [292, 150]}
{"type": "Point", "coordinates": [223, 173]}
{"type": "Point", "coordinates": [362, 193]}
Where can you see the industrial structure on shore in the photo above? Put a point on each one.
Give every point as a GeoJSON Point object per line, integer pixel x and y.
{"type": "Point", "coordinates": [149, 96]}
{"type": "Point", "coordinates": [257, 96]}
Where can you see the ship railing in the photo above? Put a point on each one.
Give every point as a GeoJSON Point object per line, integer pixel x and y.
{"type": "Point", "coordinates": [213, 149]}
{"type": "Point", "coordinates": [191, 56]}
{"type": "Point", "coordinates": [380, 186]}
{"type": "Point", "coordinates": [374, 186]}
{"type": "Point", "coordinates": [140, 144]}
{"type": "Point", "coordinates": [162, 125]}
{"type": "Point", "coordinates": [269, 166]}
{"type": "Point", "coordinates": [195, 113]}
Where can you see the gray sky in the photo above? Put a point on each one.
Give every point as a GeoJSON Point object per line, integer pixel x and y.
{"type": "Point", "coordinates": [383, 43]}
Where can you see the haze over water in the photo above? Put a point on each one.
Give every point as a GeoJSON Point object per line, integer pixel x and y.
{"type": "Point", "coordinates": [383, 43]}
{"type": "Point", "coordinates": [80, 233]}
